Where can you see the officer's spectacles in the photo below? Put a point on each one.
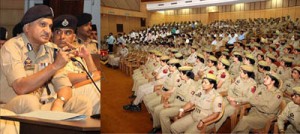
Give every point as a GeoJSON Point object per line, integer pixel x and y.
{"type": "Point", "coordinates": [65, 32]}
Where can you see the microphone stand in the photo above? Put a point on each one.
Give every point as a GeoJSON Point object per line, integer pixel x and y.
{"type": "Point", "coordinates": [95, 116]}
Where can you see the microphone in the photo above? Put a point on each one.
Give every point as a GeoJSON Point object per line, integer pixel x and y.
{"type": "Point", "coordinates": [95, 116]}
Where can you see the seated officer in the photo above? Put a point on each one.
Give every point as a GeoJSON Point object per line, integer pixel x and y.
{"type": "Point", "coordinates": [64, 27]}
{"type": "Point", "coordinates": [265, 103]}
{"type": "Point", "coordinates": [208, 106]}
{"type": "Point", "coordinates": [28, 68]}
{"type": "Point", "coordinates": [291, 114]}
{"type": "Point", "coordinates": [84, 31]}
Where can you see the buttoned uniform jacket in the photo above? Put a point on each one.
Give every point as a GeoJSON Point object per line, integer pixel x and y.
{"type": "Point", "coordinates": [18, 60]}
{"type": "Point", "coordinates": [90, 45]}
{"type": "Point", "coordinates": [241, 90]}
{"type": "Point", "coordinates": [291, 113]}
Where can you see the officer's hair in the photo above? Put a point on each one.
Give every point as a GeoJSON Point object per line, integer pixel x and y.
{"type": "Point", "coordinates": [273, 48]}
{"type": "Point", "coordinates": [218, 54]}
{"type": "Point", "coordinates": [211, 81]}
{"type": "Point", "coordinates": [177, 65]}
{"type": "Point", "coordinates": [240, 58]}
{"type": "Point", "coordinates": [166, 61]}
{"type": "Point", "coordinates": [250, 74]}
{"type": "Point", "coordinates": [190, 74]}
{"type": "Point", "coordinates": [266, 68]}
{"type": "Point", "coordinates": [288, 64]}
{"type": "Point", "coordinates": [201, 59]}
{"type": "Point", "coordinates": [272, 60]}
{"type": "Point", "coordinates": [215, 62]}
{"type": "Point", "coordinates": [276, 84]}
{"type": "Point", "coordinates": [251, 61]}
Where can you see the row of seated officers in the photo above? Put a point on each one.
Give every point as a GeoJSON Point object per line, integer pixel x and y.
{"type": "Point", "coordinates": [170, 86]}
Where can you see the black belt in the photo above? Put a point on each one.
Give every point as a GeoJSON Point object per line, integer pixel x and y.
{"type": "Point", "coordinates": [165, 89]}
{"type": "Point", "coordinates": [179, 98]}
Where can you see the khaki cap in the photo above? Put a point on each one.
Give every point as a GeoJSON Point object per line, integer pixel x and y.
{"type": "Point", "coordinates": [165, 57]}
{"type": "Point", "coordinates": [248, 68]}
{"type": "Point", "coordinates": [225, 61]}
{"type": "Point", "coordinates": [263, 63]}
{"type": "Point", "coordinates": [296, 68]}
{"type": "Point", "coordinates": [195, 47]}
{"type": "Point", "coordinates": [226, 50]}
{"type": "Point", "coordinates": [296, 90]}
{"type": "Point", "coordinates": [225, 53]}
{"type": "Point", "coordinates": [159, 54]}
{"type": "Point", "coordinates": [177, 55]}
{"type": "Point", "coordinates": [256, 44]}
{"type": "Point", "coordinates": [298, 48]}
{"type": "Point", "coordinates": [250, 56]}
{"type": "Point", "coordinates": [273, 46]}
{"type": "Point", "coordinates": [174, 50]}
{"type": "Point", "coordinates": [185, 68]}
{"type": "Point", "coordinates": [210, 76]}
{"type": "Point", "coordinates": [207, 50]}
{"type": "Point", "coordinates": [173, 61]}
{"type": "Point", "coordinates": [271, 56]}
{"type": "Point", "coordinates": [237, 53]}
{"type": "Point", "coordinates": [287, 59]}
{"type": "Point", "coordinates": [200, 55]}
{"type": "Point", "coordinates": [212, 58]}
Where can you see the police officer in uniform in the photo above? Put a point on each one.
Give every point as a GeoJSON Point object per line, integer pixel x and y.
{"type": "Point", "coordinates": [239, 92]}
{"type": "Point", "coordinates": [291, 113]}
{"type": "Point", "coordinates": [64, 27]}
{"type": "Point", "coordinates": [169, 86]}
{"type": "Point", "coordinates": [28, 63]}
{"type": "Point", "coordinates": [208, 106]}
{"type": "Point", "coordinates": [169, 108]}
{"type": "Point", "coordinates": [84, 31]}
{"type": "Point", "coordinates": [265, 105]}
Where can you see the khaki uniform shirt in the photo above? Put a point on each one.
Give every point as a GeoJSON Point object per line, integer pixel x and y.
{"type": "Point", "coordinates": [259, 77]}
{"type": "Point", "coordinates": [183, 93]}
{"type": "Point", "coordinates": [289, 85]}
{"type": "Point", "coordinates": [266, 102]}
{"type": "Point", "coordinates": [242, 90]}
{"type": "Point", "coordinates": [206, 103]}
{"type": "Point", "coordinates": [90, 45]}
{"type": "Point", "coordinates": [290, 113]}
{"type": "Point", "coordinates": [234, 69]}
{"type": "Point", "coordinates": [284, 73]}
{"type": "Point", "coordinates": [225, 77]}
{"type": "Point", "coordinates": [192, 58]}
{"type": "Point", "coordinates": [173, 80]}
{"type": "Point", "coordinates": [18, 60]}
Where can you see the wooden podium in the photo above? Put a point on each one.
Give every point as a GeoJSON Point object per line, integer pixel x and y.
{"type": "Point", "coordinates": [30, 125]}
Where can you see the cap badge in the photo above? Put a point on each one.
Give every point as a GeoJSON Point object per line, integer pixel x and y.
{"type": "Point", "coordinates": [65, 23]}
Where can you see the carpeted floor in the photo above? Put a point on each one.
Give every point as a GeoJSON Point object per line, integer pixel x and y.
{"type": "Point", "coordinates": [116, 87]}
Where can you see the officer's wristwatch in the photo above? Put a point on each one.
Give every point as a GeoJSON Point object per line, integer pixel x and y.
{"type": "Point", "coordinates": [181, 110]}
{"type": "Point", "coordinates": [281, 130]}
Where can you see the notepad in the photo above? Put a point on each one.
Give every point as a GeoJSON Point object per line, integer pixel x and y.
{"type": "Point", "coordinates": [54, 115]}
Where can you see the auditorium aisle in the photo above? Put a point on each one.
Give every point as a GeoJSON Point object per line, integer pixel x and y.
{"type": "Point", "coordinates": [116, 87]}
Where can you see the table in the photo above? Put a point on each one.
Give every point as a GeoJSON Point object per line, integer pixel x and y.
{"type": "Point", "coordinates": [29, 125]}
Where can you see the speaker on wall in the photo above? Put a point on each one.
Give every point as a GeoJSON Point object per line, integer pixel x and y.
{"type": "Point", "coordinates": [143, 22]}
{"type": "Point", "coordinates": [120, 28]}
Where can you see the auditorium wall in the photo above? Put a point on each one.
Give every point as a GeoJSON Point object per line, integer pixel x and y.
{"type": "Point", "coordinates": [11, 12]}
{"type": "Point", "coordinates": [262, 9]}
